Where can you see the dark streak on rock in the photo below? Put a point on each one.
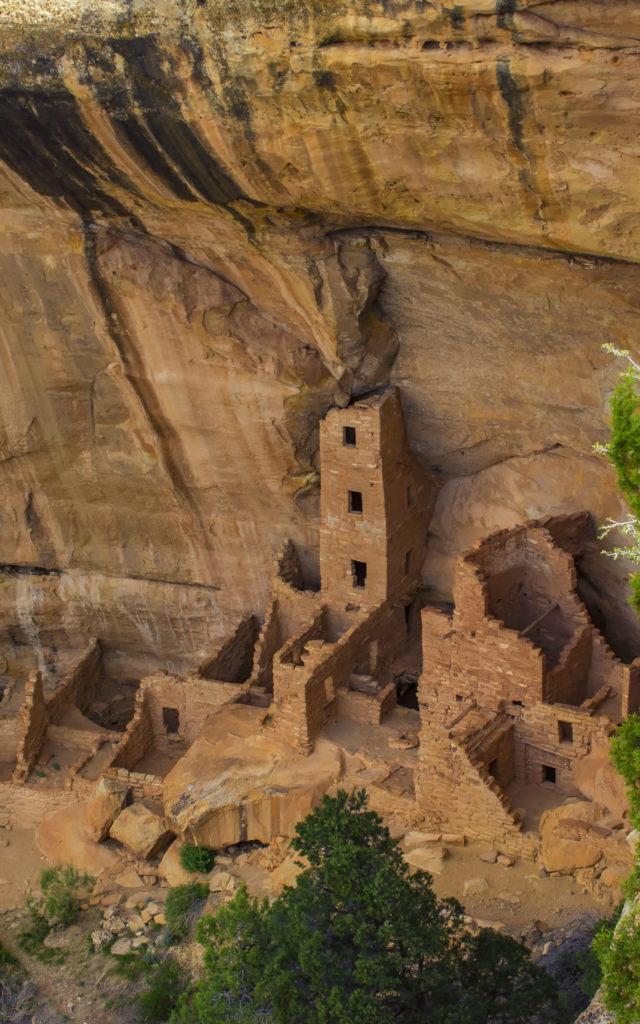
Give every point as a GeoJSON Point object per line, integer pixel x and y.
{"type": "Point", "coordinates": [512, 96]}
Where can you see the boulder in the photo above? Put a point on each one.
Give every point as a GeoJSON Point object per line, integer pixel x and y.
{"type": "Point", "coordinates": [414, 839]}
{"type": "Point", "coordinates": [597, 779]}
{"type": "Point", "coordinates": [488, 856]}
{"type": "Point", "coordinates": [122, 947]}
{"type": "Point", "coordinates": [566, 845]}
{"type": "Point", "coordinates": [103, 806]}
{"type": "Point", "coordinates": [221, 881]}
{"type": "Point", "coordinates": [140, 831]}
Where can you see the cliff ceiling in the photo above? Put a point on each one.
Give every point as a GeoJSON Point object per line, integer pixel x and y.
{"type": "Point", "coordinates": [219, 219]}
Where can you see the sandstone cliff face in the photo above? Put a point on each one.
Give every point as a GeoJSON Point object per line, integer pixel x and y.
{"type": "Point", "coordinates": [219, 220]}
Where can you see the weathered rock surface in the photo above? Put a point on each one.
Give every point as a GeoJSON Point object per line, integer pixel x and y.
{"type": "Point", "coordinates": [140, 831]}
{"type": "Point", "coordinates": [565, 845]}
{"type": "Point", "coordinates": [217, 223]}
{"type": "Point", "coordinates": [239, 782]}
{"type": "Point", "coordinates": [63, 839]}
{"type": "Point", "coordinates": [103, 806]}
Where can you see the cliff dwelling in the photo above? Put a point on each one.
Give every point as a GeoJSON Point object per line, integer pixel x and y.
{"type": "Point", "coordinates": [509, 686]}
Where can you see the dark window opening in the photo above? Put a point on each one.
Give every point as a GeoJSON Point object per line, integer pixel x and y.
{"type": "Point", "coordinates": [410, 618]}
{"type": "Point", "coordinates": [548, 774]}
{"type": "Point", "coordinates": [518, 703]}
{"type": "Point", "coordinates": [355, 502]}
{"type": "Point", "coordinates": [407, 562]}
{"type": "Point", "coordinates": [349, 437]}
{"type": "Point", "coordinates": [411, 498]}
{"type": "Point", "coordinates": [2, 689]}
{"type": "Point", "coordinates": [359, 573]}
{"type": "Point", "coordinates": [407, 690]}
{"type": "Point", "coordinates": [494, 769]}
{"type": "Point", "coordinates": [459, 697]}
{"type": "Point", "coordinates": [171, 720]}
{"type": "Point", "coordinates": [565, 732]}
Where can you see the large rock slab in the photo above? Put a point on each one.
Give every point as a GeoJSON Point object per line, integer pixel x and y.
{"type": "Point", "coordinates": [103, 806]}
{"type": "Point", "coordinates": [239, 781]}
{"type": "Point", "coordinates": [565, 837]}
{"type": "Point", "coordinates": [140, 831]}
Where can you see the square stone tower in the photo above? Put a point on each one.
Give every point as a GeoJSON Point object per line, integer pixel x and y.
{"type": "Point", "coordinates": [376, 504]}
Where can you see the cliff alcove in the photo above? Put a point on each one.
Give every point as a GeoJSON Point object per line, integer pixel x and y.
{"type": "Point", "coordinates": [222, 221]}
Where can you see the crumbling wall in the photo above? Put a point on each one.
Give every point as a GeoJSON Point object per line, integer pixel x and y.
{"type": "Point", "coordinates": [144, 786]}
{"type": "Point", "coordinates": [309, 672]}
{"type": "Point", "coordinates": [9, 733]}
{"type": "Point", "coordinates": [269, 641]}
{"type": "Point", "coordinates": [370, 708]}
{"type": "Point", "coordinates": [192, 698]}
{"type": "Point", "coordinates": [32, 729]}
{"type": "Point", "coordinates": [233, 661]}
{"type": "Point", "coordinates": [463, 797]}
{"type": "Point", "coordinates": [78, 687]}
{"type": "Point", "coordinates": [138, 736]}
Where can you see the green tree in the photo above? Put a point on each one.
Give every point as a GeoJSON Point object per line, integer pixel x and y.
{"type": "Point", "coordinates": [623, 449]}
{"type": "Point", "coordinates": [359, 939]}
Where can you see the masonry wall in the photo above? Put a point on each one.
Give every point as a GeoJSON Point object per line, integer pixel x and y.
{"type": "Point", "coordinates": [193, 698]}
{"type": "Point", "coordinates": [463, 797]}
{"type": "Point", "coordinates": [32, 729]}
{"type": "Point", "coordinates": [567, 682]}
{"type": "Point", "coordinates": [397, 498]}
{"type": "Point", "coordinates": [270, 639]}
{"type": "Point", "coordinates": [137, 738]}
{"type": "Point", "coordinates": [9, 739]}
{"type": "Point", "coordinates": [233, 661]}
{"type": "Point", "coordinates": [306, 684]}
{"type": "Point", "coordinates": [78, 687]}
{"type": "Point", "coordinates": [539, 741]}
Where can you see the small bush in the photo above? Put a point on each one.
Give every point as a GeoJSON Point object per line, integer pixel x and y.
{"type": "Point", "coordinates": [166, 981]}
{"type": "Point", "coordinates": [63, 888]}
{"type": "Point", "coordinates": [181, 907]}
{"type": "Point", "coordinates": [197, 858]}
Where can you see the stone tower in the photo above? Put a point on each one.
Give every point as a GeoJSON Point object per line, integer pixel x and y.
{"type": "Point", "coordinates": [375, 506]}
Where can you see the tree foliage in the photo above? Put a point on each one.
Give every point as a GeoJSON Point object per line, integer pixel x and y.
{"type": "Point", "coordinates": [197, 858]}
{"type": "Point", "coordinates": [359, 939]}
{"type": "Point", "coordinates": [623, 449]}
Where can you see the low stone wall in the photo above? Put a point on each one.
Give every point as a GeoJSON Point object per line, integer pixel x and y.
{"type": "Point", "coordinates": [137, 738]}
{"type": "Point", "coordinates": [370, 708]}
{"type": "Point", "coordinates": [144, 786]}
{"type": "Point", "coordinates": [269, 641]}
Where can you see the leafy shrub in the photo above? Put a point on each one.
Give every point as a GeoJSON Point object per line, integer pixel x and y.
{"type": "Point", "coordinates": [197, 858]}
{"type": "Point", "coordinates": [61, 891]}
{"type": "Point", "coordinates": [182, 907]}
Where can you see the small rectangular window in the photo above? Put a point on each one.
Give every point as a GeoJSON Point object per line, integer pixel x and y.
{"type": "Point", "coordinates": [565, 732]}
{"type": "Point", "coordinates": [407, 562]}
{"type": "Point", "coordinates": [548, 774]}
{"type": "Point", "coordinates": [359, 573]}
{"type": "Point", "coordinates": [518, 703]}
{"type": "Point", "coordinates": [494, 769]}
{"type": "Point", "coordinates": [349, 437]}
{"type": "Point", "coordinates": [411, 498]}
{"type": "Point", "coordinates": [355, 502]}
